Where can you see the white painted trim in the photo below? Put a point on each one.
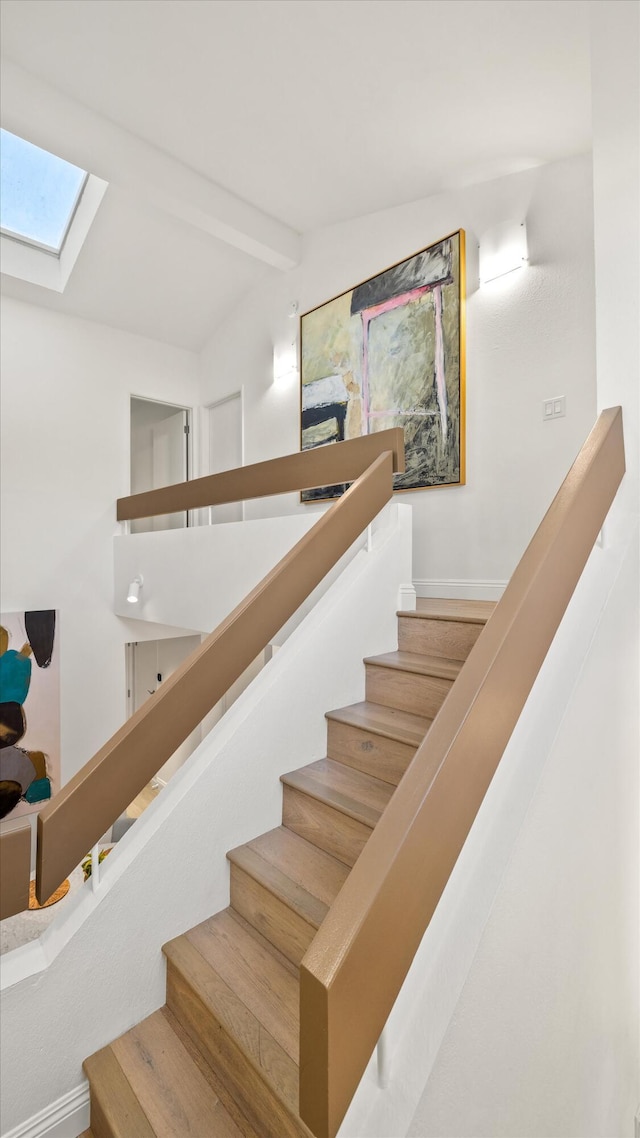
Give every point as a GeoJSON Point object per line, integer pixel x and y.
{"type": "Point", "coordinates": [465, 589]}
{"type": "Point", "coordinates": [407, 598]}
{"type": "Point", "coordinates": [27, 262]}
{"type": "Point", "coordinates": [67, 1117]}
{"type": "Point", "coordinates": [237, 393]}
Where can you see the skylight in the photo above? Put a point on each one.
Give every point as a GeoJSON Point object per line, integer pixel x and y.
{"type": "Point", "coordinates": [39, 193]}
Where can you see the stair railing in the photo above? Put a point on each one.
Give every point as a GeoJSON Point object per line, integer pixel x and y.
{"type": "Point", "coordinates": [355, 966]}
{"type": "Point", "coordinates": [73, 822]}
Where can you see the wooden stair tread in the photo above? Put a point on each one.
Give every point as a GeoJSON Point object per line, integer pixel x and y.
{"type": "Point", "coordinates": [171, 1090]}
{"type": "Point", "coordinates": [386, 721]}
{"type": "Point", "coordinates": [418, 664]}
{"type": "Point", "coordinates": [472, 612]}
{"type": "Point", "coordinates": [146, 1085]}
{"type": "Point", "coordinates": [221, 1088]}
{"type": "Point", "coordinates": [358, 795]}
{"type": "Point", "coordinates": [246, 984]}
{"type": "Point", "coordinates": [299, 873]}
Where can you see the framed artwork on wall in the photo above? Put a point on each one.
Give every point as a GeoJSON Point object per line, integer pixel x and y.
{"type": "Point", "coordinates": [390, 352]}
{"type": "Point", "coordinates": [29, 711]}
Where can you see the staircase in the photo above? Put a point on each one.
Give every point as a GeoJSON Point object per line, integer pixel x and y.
{"type": "Point", "coordinates": [220, 1059]}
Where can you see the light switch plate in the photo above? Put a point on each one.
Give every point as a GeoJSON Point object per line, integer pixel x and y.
{"type": "Point", "coordinates": [554, 408]}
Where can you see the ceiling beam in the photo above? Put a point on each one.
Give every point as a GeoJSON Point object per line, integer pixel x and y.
{"type": "Point", "coordinates": [52, 120]}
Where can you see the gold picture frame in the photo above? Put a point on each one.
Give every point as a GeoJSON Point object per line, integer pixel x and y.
{"type": "Point", "coordinates": [391, 352]}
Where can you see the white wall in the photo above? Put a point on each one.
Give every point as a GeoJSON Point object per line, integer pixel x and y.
{"type": "Point", "coordinates": [530, 335]}
{"type": "Point", "coordinates": [195, 577]}
{"type": "Point", "coordinates": [66, 385]}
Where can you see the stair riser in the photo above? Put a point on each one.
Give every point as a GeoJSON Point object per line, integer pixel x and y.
{"type": "Point", "coordinates": [375, 755]}
{"type": "Point", "coordinates": [329, 829]}
{"type": "Point", "coordinates": [134, 1127]}
{"type": "Point", "coordinates": [99, 1126]}
{"type": "Point", "coordinates": [257, 1100]}
{"type": "Point", "coordinates": [408, 691]}
{"type": "Point", "coordinates": [451, 639]}
{"type": "Point", "coordinates": [115, 1110]}
{"type": "Point", "coordinates": [283, 928]}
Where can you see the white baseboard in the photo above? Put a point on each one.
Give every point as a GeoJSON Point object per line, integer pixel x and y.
{"type": "Point", "coordinates": [67, 1117]}
{"type": "Point", "coordinates": [468, 589]}
{"type": "Point", "coordinates": [407, 598]}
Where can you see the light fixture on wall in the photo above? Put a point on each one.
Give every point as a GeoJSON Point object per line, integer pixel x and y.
{"type": "Point", "coordinates": [285, 364]}
{"type": "Point", "coordinates": [285, 355]}
{"type": "Point", "coordinates": [133, 592]}
{"type": "Point", "coordinates": [503, 248]}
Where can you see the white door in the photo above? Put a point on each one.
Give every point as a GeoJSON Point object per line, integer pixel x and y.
{"type": "Point", "coordinates": [152, 663]}
{"type": "Point", "coordinates": [169, 462]}
{"type": "Point", "coordinates": [226, 449]}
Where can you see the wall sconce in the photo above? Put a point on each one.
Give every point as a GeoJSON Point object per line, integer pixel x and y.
{"type": "Point", "coordinates": [133, 592]}
{"type": "Point", "coordinates": [502, 250]}
{"type": "Point", "coordinates": [285, 364]}
{"type": "Point", "coordinates": [285, 356]}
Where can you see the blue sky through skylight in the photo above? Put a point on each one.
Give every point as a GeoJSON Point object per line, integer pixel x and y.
{"type": "Point", "coordinates": [38, 191]}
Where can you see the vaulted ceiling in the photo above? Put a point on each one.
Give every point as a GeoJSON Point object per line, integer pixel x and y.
{"type": "Point", "coordinates": [275, 117]}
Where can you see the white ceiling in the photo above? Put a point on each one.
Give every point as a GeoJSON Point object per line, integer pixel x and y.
{"type": "Point", "coordinates": [145, 272]}
{"type": "Point", "coordinates": [313, 111]}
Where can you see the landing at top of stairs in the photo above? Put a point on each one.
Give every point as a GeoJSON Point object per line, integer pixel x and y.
{"type": "Point", "coordinates": [474, 612]}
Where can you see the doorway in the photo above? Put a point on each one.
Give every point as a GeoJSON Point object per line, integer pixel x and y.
{"type": "Point", "coordinates": [149, 664]}
{"type": "Point", "coordinates": [160, 455]}
{"type": "Point", "coordinates": [224, 447]}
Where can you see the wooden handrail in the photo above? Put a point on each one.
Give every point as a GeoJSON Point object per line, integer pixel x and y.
{"type": "Point", "coordinates": [15, 868]}
{"type": "Point", "coordinates": [320, 466]}
{"type": "Point", "coordinates": [356, 964]}
{"type": "Point", "coordinates": [84, 809]}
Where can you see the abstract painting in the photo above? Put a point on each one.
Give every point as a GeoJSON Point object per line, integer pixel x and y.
{"type": "Point", "coordinates": [390, 353]}
{"type": "Point", "coordinates": [29, 711]}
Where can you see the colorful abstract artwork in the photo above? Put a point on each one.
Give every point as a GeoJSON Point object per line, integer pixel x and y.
{"type": "Point", "coordinates": [390, 353]}
{"type": "Point", "coordinates": [29, 711]}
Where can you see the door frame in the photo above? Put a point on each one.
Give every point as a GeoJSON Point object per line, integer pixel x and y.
{"type": "Point", "coordinates": [191, 447]}
{"type": "Point", "coordinates": [207, 411]}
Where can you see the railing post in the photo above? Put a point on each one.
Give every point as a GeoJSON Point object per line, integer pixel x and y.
{"type": "Point", "coordinates": [15, 868]}
{"type": "Point", "coordinates": [95, 868]}
{"type": "Point", "coordinates": [382, 1057]}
